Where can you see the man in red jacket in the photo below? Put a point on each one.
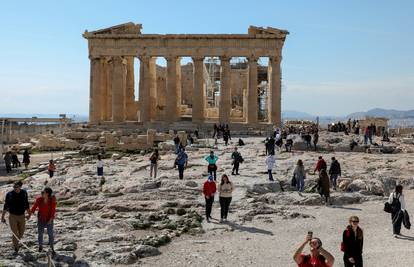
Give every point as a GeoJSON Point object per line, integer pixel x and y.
{"type": "Point", "coordinates": [46, 204]}
{"type": "Point", "coordinates": [209, 189]}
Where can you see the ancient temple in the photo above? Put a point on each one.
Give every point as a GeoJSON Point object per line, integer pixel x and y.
{"type": "Point", "coordinates": [163, 94]}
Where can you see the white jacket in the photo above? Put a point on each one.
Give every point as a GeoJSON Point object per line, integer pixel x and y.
{"type": "Point", "coordinates": [401, 198]}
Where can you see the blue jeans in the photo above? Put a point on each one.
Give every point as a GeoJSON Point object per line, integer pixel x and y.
{"type": "Point", "coordinates": [177, 148]}
{"type": "Point", "coordinates": [180, 171]}
{"type": "Point", "coordinates": [334, 177]}
{"type": "Point", "coordinates": [300, 184]}
{"type": "Point", "coordinates": [270, 175]}
{"type": "Point", "coordinates": [40, 231]}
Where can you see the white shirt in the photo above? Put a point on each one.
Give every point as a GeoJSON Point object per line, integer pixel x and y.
{"type": "Point", "coordinates": [100, 164]}
{"type": "Point", "coordinates": [270, 162]}
{"type": "Point", "coordinates": [402, 200]}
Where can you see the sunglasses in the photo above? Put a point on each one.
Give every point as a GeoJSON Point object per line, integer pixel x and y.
{"type": "Point", "coordinates": [355, 221]}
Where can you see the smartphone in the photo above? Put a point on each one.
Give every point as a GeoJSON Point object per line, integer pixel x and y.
{"type": "Point", "coordinates": [310, 233]}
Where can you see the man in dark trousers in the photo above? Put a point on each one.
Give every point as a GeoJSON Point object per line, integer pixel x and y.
{"type": "Point", "coordinates": [16, 204]}
{"type": "Point", "coordinates": [237, 159]}
{"type": "Point", "coordinates": [334, 172]}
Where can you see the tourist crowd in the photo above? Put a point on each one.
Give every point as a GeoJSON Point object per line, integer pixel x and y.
{"type": "Point", "coordinates": [17, 204]}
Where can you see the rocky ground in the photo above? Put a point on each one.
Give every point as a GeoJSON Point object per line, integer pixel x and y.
{"type": "Point", "coordinates": [135, 220]}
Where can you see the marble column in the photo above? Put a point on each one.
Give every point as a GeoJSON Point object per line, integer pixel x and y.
{"type": "Point", "coordinates": [152, 84]}
{"type": "Point", "coordinates": [198, 99]}
{"type": "Point", "coordinates": [171, 82]}
{"type": "Point", "coordinates": [94, 91]}
{"type": "Point", "coordinates": [118, 89]}
{"type": "Point", "coordinates": [252, 106]}
{"type": "Point", "coordinates": [130, 90]}
{"type": "Point", "coordinates": [108, 89]}
{"type": "Point", "coordinates": [225, 91]}
{"type": "Point", "coordinates": [274, 91]}
{"type": "Point", "coordinates": [144, 89]}
{"type": "Point", "coordinates": [178, 86]}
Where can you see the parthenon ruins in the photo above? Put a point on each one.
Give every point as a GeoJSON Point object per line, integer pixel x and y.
{"type": "Point", "coordinates": [202, 90]}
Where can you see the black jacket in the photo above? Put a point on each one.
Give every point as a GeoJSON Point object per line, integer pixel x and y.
{"type": "Point", "coordinates": [16, 203]}
{"type": "Point", "coordinates": [335, 168]}
{"type": "Point", "coordinates": [352, 246]}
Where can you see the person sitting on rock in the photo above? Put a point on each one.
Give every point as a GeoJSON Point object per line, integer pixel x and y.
{"type": "Point", "coordinates": [46, 204]}
{"type": "Point", "coordinates": [270, 162]}
{"type": "Point", "coordinates": [209, 189]}
{"type": "Point", "coordinates": [353, 144]}
{"type": "Point", "coordinates": [289, 143]}
{"type": "Point", "coordinates": [320, 165]}
{"type": "Point", "coordinates": [212, 167]}
{"type": "Point", "coordinates": [318, 256]}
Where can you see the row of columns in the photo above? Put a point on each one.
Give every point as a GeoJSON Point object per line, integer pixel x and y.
{"type": "Point", "coordinates": [112, 96]}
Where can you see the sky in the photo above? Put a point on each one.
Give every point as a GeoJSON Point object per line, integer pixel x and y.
{"type": "Point", "coordinates": [340, 56]}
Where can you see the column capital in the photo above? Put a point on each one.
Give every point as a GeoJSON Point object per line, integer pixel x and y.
{"type": "Point", "coordinates": [171, 58]}
{"type": "Point", "coordinates": [198, 58]}
{"type": "Point", "coordinates": [252, 59]}
{"type": "Point", "coordinates": [225, 58]}
{"type": "Point", "coordinates": [144, 57]}
{"type": "Point", "coordinates": [275, 58]}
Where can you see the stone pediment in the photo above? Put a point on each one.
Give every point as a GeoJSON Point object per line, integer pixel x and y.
{"type": "Point", "coordinates": [253, 30]}
{"type": "Point", "coordinates": [125, 28]}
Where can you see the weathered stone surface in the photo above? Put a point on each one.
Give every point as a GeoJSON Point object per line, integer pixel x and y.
{"type": "Point", "coordinates": [143, 251]}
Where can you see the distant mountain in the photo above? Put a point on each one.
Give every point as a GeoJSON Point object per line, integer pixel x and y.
{"type": "Point", "coordinates": [293, 114]}
{"type": "Point", "coordinates": [386, 113]}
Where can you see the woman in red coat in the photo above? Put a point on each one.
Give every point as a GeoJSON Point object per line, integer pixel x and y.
{"type": "Point", "coordinates": [209, 189]}
{"type": "Point", "coordinates": [46, 204]}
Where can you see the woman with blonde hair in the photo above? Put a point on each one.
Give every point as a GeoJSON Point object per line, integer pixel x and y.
{"type": "Point", "coordinates": [352, 243]}
{"type": "Point", "coordinates": [300, 175]}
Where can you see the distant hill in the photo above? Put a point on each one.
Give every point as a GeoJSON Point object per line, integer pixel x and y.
{"type": "Point", "coordinates": [293, 114]}
{"type": "Point", "coordinates": [386, 113]}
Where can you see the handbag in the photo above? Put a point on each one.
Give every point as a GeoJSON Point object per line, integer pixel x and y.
{"type": "Point", "coordinates": [387, 207]}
